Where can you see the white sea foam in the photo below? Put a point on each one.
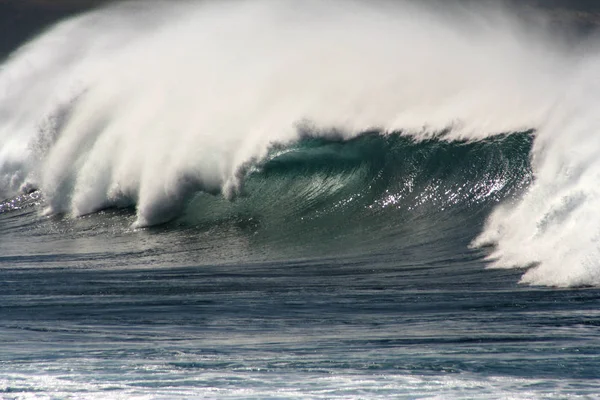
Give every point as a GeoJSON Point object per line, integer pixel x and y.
{"type": "Point", "coordinates": [77, 383]}
{"type": "Point", "coordinates": [147, 103]}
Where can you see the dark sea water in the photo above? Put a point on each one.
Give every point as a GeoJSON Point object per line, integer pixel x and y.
{"type": "Point", "coordinates": [344, 271]}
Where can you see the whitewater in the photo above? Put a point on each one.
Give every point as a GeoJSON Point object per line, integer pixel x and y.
{"type": "Point", "coordinates": [215, 198]}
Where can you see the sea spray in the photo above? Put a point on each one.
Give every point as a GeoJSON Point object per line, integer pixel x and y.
{"type": "Point", "coordinates": [555, 227]}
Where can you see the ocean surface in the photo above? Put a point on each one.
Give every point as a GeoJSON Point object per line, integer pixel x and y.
{"type": "Point", "coordinates": [273, 199]}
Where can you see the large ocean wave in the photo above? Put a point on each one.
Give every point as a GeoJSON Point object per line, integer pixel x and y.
{"type": "Point", "coordinates": [258, 112]}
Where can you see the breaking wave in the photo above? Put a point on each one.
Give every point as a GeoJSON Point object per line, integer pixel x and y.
{"type": "Point", "coordinates": [172, 108]}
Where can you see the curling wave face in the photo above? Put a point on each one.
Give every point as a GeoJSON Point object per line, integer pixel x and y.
{"type": "Point", "coordinates": [371, 193]}
{"type": "Point", "coordinates": [157, 106]}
